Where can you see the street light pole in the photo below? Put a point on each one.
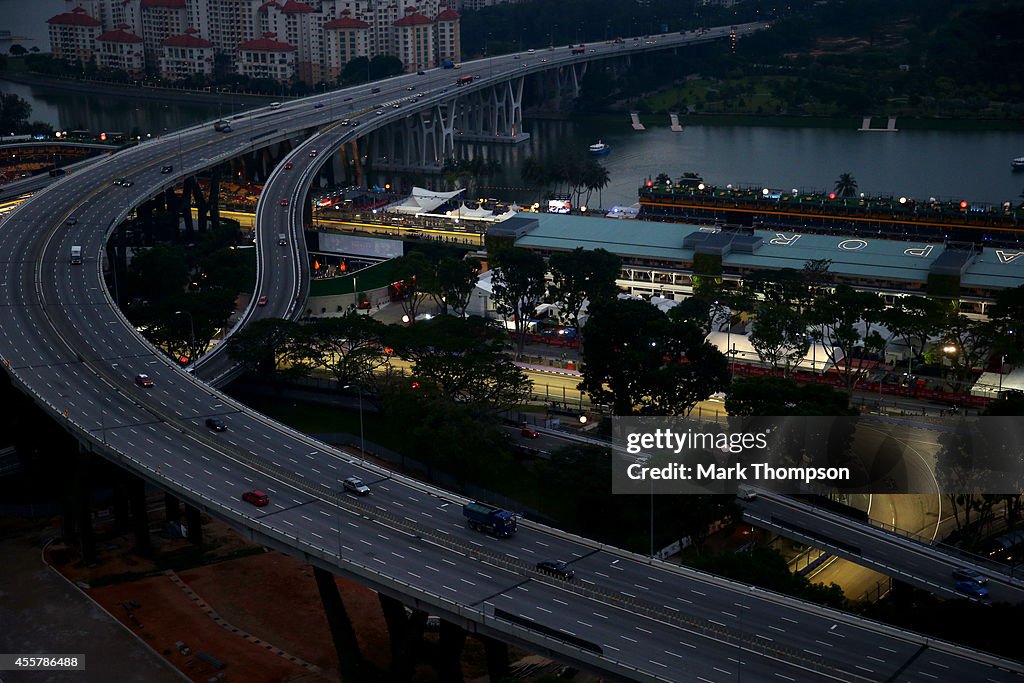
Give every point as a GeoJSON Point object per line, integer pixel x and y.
{"type": "Point", "coordinates": [191, 335]}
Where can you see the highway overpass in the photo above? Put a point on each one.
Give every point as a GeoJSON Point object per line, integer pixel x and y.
{"type": "Point", "coordinates": [64, 343]}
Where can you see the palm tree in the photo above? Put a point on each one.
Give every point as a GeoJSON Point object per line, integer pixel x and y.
{"type": "Point", "coordinates": [846, 185]}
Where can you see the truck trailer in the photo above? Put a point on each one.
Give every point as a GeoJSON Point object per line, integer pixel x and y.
{"type": "Point", "coordinates": [484, 517]}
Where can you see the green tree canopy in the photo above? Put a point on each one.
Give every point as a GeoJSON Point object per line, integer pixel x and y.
{"type": "Point", "coordinates": [582, 274]}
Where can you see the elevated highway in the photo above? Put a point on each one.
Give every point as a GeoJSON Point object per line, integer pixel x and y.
{"type": "Point", "coordinates": [64, 344]}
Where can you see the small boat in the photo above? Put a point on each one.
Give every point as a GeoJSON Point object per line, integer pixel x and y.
{"type": "Point", "coordinates": [600, 148]}
{"type": "Point", "coordinates": [1018, 164]}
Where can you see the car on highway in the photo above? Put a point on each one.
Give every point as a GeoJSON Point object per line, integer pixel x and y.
{"type": "Point", "coordinates": [288, 166]}
{"type": "Point", "coordinates": [421, 73]}
{"type": "Point", "coordinates": [968, 574]}
{"type": "Point", "coordinates": [282, 239]}
{"type": "Point", "coordinates": [256, 497]}
{"type": "Point", "coordinates": [216, 424]}
{"type": "Point", "coordinates": [72, 221]}
{"type": "Point", "coordinates": [318, 105]}
{"type": "Point", "coordinates": [556, 568]}
{"type": "Point", "coordinates": [262, 301]}
{"type": "Point", "coordinates": [355, 485]}
{"type": "Point", "coordinates": [529, 431]}
{"type": "Point", "coordinates": [144, 380]}
{"type": "Point", "coordinates": [355, 123]}
{"type": "Point", "coordinates": [345, 122]}
{"type": "Point", "coordinates": [531, 50]}
{"type": "Point", "coordinates": [283, 202]}
{"type": "Point", "coordinates": [411, 87]}
{"type": "Point", "coordinates": [312, 152]}
{"type": "Point", "coordinates": [973, 589]}
{"type": "Point", "coordinates": [166, 169]}
{"type": "Point", "coordinates": [347, 99]}
{"type": "Point", "coordinates": [380, 112]}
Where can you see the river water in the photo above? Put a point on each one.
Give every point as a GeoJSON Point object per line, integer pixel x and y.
{"type": "Point", "coordinates": [918, 164]}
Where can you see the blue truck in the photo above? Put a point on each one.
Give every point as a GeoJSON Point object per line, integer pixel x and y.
{"type": "Point", "coordinates": [484, 517]}
{"type": "Point", "coordinates": [447, 64]}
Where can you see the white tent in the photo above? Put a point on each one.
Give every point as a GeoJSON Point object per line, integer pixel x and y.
{"type": "Point", "coordinates": [422, 201]}
{"type": "Point", "coordinates": [815, 360]}
{"type": "Point", "coordinates": [465, 212]}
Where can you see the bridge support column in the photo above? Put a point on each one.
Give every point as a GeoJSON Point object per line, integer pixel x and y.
{"type": "Point", "coordinates": [194, 522]}
{"type": "Point", "coordinates": [140, 518]}
{"type": "Point", "coordinates": [82, 511]}
{"type": "Point", "coordinates": [406, 634]}
{"type": "Point", "coordinates": [350, 660]}
{"type": "Point", "coordinates": [120, 502]}
{"type": "Point", "coordinates": [497, 658]}
{"type": "Point", "coordinates": [172, 508]}
{"type": "Point", "coordinates": [449, 664]}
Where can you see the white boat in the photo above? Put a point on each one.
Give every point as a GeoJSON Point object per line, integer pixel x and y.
{"type": "Point", "coordinates": [600, 148]}
{"type": "Point", "coordinates": [1018, 164]}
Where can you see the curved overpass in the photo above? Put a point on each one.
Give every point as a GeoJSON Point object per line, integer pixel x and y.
{"type": "Point", "coordinates": [64, 343]}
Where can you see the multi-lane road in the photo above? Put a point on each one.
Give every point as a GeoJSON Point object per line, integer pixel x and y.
{"type": "Point", "coordinates": [64, 343]}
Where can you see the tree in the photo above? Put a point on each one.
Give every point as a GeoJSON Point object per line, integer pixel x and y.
{"type": "Point", "coordinates": [263, 345]}
{"type": "Point", "coordinates": [1006, 316]}
{"type": "Point", "coordinates": [620, 351]}
{"type": "Point", "coordinates": [846, 185]}
{"type": "Point", "coordinates": [158, 273]}
{"type": "Point", "coordinates": [971, 341]}
{"type": "Point", "coordinates": [914, 320]}
{"type": "Point", "coordinates": [416, 279]}
{"type": "Point", "coordinates": [836, 319]}
{"type": "Point", "coordinates": [779, 336]}
{"type": "Point", "coordinates": [777, 396]}
{"type": "Point", "coordinates": [349, 347]}
{"type": "Point", "coordinates": [580, 275]}
{"type": "Point", "coordinates": [17, 50]}
{"type": "Point", "coordinates": [14, 112]}
{"type": "Point", "coordinates": [463, 360]}
{"type": "Point", "coordinates": [454, 282]}
{"type": "Point", "coordinates": [518, 288]}
{"type": "Point", "coordinates": [636, 358]}
{"type": "Point", "coordinates": [692, 371]}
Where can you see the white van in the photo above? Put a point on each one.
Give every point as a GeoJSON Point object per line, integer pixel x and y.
{"type": "Point", "coordinates": [275, 105]}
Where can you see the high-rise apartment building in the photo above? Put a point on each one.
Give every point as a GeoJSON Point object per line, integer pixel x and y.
{"type": "Point", "coordinates": [321, 35]}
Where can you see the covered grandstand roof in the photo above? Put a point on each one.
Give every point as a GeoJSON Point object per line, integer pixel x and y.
{"type": "Point", "coordinates": [884, 259]}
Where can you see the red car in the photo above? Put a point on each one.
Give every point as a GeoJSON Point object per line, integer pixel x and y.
{"type": "Point", "coordinates": [288, 166]}
{"type": "Point", "coordinates": [257, 498]}
{"type": "Point", "coordinates": [144, 381]}
{"type": "Point", "coordinates": [262, 301]}
{"type": "Point", "coordinates": [284, 202]}
{"type": "Point", "coordinates": [529, 431]}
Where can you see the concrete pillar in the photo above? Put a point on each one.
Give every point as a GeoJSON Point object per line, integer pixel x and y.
{"type": "Point", "coordinates": [195, 525]}
{"type": "Point", "coordinates": [405, 633]}
{"type": "Point", "coordinates": [449, 664]}
{"type": "Point", "coordinates": [497, 658]}
{"type": "Point", "coordinates": [120, 503]}
{"type": "Point", "coordinates": [140, 518]}
{"type": "Point", "coordinates": [172, 508]}
{"type": "Point", "coordinates": [83, 513]}
{"type": "Point", "coordinates": [344, 636]}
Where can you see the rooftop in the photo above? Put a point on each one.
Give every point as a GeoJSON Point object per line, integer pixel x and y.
{"type": "Point", "coordinates": [991, 268]}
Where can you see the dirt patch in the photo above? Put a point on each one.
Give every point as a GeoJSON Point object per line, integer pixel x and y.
{"type": "Point", "coordinates": [276, 628]}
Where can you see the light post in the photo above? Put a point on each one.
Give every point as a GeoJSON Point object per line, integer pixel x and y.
{"type": "Point", "coordinates": [362, 440]}
{"type": "Point", "coordinates": [191, 335]}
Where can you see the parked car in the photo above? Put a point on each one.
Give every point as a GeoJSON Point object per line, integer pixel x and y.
{"type": "Point", "coordinates": [256, 497]}
{"type": "Point", "coordinates": [216, 424]}
{"type": "Point", "coordinates": [356, 486]}
{"type": "Point", "coordinates": [556, 568]}
{"type": "Point", "coordinates": [144, 380]}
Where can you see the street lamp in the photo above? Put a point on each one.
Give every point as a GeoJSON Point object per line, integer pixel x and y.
{"type": "Point", "coordinates": [191, 335]}
{"type": "Point", "coordinates": [362, 441]}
